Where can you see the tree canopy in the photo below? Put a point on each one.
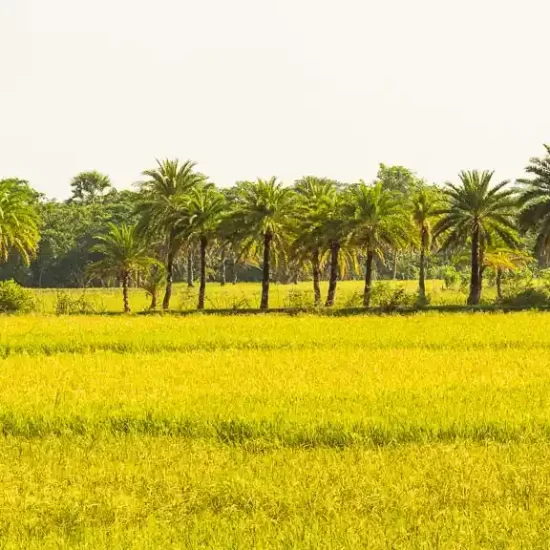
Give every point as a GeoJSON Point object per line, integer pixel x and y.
{"type": "Point", "coordinates": [263, 230]}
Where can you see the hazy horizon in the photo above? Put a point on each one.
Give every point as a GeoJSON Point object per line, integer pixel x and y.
{"type": "Point", "coordinates": [251, 88]}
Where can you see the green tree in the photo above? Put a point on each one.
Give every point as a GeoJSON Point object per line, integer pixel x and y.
{"type": "Point", "coordinates": [162, 202]}
{"type": "Point", "coordinates": [317, 199]}
{"type": "Point", "coordinates": [19, 220]}
{"type": "Point", "coordinates": [425, 203]}
{"type": "Point", "coordinates": [535, 204]}
{"type": "Point", "coordinates": [260, 224]}
{"type": "Point", "coordinates": [396, 179]}
{"type": "Point", "coordinates": [67, 235]}
{"type": "Point", "coordinates": [477, 213]}
{"type": "Point", "coordinates": [378, 223]}
{"type": "Point", "coordinates": [89, 186]}
{"type": "Point", "coordinates": [123, 252]}
{"type": "Point", "coordinates": [402, 181]}
{"type": "Point", "coordinates": [203, 214]}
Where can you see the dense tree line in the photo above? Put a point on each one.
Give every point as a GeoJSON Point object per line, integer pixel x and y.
{"type": "Point", "coordinates": [176, 221]}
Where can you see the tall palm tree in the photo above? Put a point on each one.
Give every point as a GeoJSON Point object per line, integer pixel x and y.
{"type": "Point", "coordinates": [202, 217]}
{"type": "Point", "coordinates": [478, 213]}
{"type": "Point", "coordinates": [426, 202]}
{"type": "Point", "coordinates": [378, 223]}
{"type": "Point", "coordinates": [19, 220]}
{"type": "Point", "coordinates": [163, 195]}
{"type": "Point", "coordinates": [261, 223]}
{"type": "Point", "coordinates": [124, 252]}
{"type": "Point", "coordinates": [535, 202]}
{"type": "Point", "coordinates": [316, 201]}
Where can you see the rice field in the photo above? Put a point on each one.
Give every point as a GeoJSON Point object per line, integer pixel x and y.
{"type": "Point", "coordinates": [242, 296]}
{"type": "Point", "coordinates": [425, 431]}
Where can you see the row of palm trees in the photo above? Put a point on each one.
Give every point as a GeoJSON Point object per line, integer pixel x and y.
{"type": "Point", "coordinates": [324, 225]}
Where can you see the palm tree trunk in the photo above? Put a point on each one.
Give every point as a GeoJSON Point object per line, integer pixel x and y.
{"type": "Point", "coordinates": [422, 275]}
{"type": "Point", "coordinates": [222, 267]}
{"type": "Point", "coordinates": [125, 297]}
{"type": "Point", "coordinates": [481, 267]}
{"type": "Point", "coordinates": [333, 278]}
{"type": "Point", "coordinates": [190, 273]}
{"type": "Point", "coordinates": [499, 283]}
{"type": "Point", "coordinates": [154, 299]}
{"type": "Point", "coordinates": [475, 289]}
{"type": "Point", "coordinates": [368, 278]}
{"type": "Point", "coordinates": [315, 262]}
{"type": "Point", "coordinates": [395, 260]}
{"type": "Point", "coordinates": [268, 237]}
{"type": "Point", "coordinates": [235, 265]}
{"type": "Point", "coordinates": [169, 278]}
{"type": "Point", "coordinates": [202, 287]}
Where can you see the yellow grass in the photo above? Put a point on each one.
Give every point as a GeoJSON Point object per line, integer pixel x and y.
{"type": "Point", "coordinates": [428, 431]}
{"type": "Point", "coordinates": [242, 296]}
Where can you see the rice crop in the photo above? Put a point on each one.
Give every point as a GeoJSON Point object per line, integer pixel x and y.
{"type": "Point", "coordinates": [240, 296]}
{"type": "Point", "coordinates": [425, 431]}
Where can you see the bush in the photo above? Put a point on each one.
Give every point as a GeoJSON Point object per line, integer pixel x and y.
{"type": "Point", "coordinates": [423, 302]}
{"type": "Point", "coordinates": [15, 299]}
{"type": "Point", "coordinates": [240, 302]}
{"type": "Point", "coordinates": [187, 299]}
{"type": "Point", "coordinates": [354, 300]}
{"type": "Point", "coordinates": [451, 277]}
{"type": "Point", "coordinates": [299, 298]}
{"type": "Point", "coordinates": [65, 304]}
{"type": "Point", "coordinates": [528, 297]}
{"type": "Point", "coordinates": [390, 298]}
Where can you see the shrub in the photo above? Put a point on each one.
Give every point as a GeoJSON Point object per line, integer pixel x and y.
{"type": "Point", "coordinates": [390, 298]}
{"type": "Point", "coordinates": [65, 304]}
{"type": "Point", "coordinates": [544, 275]}
{"type": "Point", "coordinates": [354, 300]}
{"type": "Point", "coordinates": [451, 277]}
{"type": "Point", "coordinates": [299, 298]}
{"type": "Point", "coordinates": [423, 302]}
{"type": "Point", "coordinates": [15, 299]}
{"type": "Point", "coordinates": [240, 302]}
{"type": "Point", "coordinates": [187, 299]}
{"type": "Point", "coordinates": [528, 297]}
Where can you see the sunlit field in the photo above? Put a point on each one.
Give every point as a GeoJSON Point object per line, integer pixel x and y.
{"type": "Point", "coordinates": [426, 431]}
{"type": "Point", "coordinates": [244, 296]}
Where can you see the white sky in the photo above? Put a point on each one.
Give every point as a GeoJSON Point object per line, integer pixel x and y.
{"type": "Point", "coordinates": [252, 88]}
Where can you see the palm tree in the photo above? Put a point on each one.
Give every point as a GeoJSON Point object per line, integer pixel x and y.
{"type": "Point", "coordinates": [425, 204]}
{"type": "Point", "coordinates": [378, 223]}
{"type": "Point", "coordinates": [153, 280]}
{"type": "Point", "coordinates": [316, 201]}
{"type": "Point", "coordinates": [19, 220]}
{"type": "Point", "coordinates": [124, 252]}
{"type": "Point", "coordinates": [335, 233]}
{"type": "Point", "coordinates": [478, 213]}
{"type": "Point", "coordinates": [261, 223]}
{"type": "Point", "coordinates": [203, 214]}
{"type": "Point", "coordinates": [163, 195]}
{"type": "Point", "coordinates": [535, 202]}
{"type": "Point", "coordinates": [502, 259]}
